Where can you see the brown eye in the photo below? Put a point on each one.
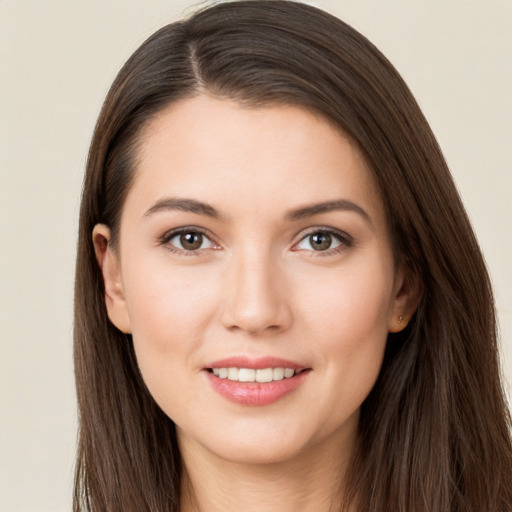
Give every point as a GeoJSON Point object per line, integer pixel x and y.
{"type": "Point", "coordinates": [188, 241]}
{"type": "Point", "coordinates": [320, 241]}
{"type": "Point", "coordinates": [323, 241]}
{"type": "Point", "coordinates": [191, 241]}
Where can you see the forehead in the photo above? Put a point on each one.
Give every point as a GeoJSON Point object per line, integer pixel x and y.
{"type": "Point", "coordinates": [216, 150]}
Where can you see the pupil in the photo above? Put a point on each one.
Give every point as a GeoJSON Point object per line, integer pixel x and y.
{"type": "Point", "coordinates": [191, 241]}
{"type": "Point", "coordinates": [321, 241]}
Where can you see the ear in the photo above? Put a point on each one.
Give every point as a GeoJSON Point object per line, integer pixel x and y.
{"type": "Point", "coordinates": [110, 268]}
{"type": "Point", "coordinates": [408, 293]}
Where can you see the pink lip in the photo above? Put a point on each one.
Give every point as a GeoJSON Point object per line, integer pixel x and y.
{"type": "Point", "coordinates": [255, 393]}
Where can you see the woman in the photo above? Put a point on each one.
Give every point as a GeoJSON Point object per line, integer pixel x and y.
{"type": "Point", "coordinates": [280, 303]}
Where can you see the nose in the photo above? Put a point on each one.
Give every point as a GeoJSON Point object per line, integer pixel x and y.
{"type": "Point", "coordinates": [256, 299]}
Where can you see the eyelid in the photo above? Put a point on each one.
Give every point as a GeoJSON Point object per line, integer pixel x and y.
{"type": "Point", "coordinates": [172, 233]}
{"type": "Point", "coordinates": [346, 241]}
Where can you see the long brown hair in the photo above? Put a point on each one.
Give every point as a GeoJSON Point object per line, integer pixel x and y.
{"type": "Point", "coordinates": [435, 430]}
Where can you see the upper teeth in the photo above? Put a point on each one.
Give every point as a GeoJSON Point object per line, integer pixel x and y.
{"type": "Point", "coordinates": [252, 375]}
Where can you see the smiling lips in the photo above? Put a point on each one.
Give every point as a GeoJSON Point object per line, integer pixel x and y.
{"type": "Point", "coordinates": [255, 382]}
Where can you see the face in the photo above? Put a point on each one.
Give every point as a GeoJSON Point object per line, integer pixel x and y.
{"type": "Point", "coordinates": [256, 275]}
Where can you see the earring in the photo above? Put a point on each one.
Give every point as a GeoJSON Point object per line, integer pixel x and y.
{"type": "Point", "coordinates": [400, 318]}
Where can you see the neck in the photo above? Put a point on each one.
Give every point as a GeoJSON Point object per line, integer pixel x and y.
{"type": "Point", "coordinates": [312, 481]}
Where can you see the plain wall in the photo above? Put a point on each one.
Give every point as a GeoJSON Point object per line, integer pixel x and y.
{"type": "Point", "coordinates": [57, 62]}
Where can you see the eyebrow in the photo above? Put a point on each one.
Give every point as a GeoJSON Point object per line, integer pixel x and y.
{"type": "Point", "coordinates": [184, 205]}
{"type": "Point", "coordinates": [194, 206]}
{"type": "Point", "coordinates": [326, 207]}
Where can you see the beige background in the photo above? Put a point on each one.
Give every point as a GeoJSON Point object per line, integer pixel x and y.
{"type": "Point", "coordinates": [57, 61]}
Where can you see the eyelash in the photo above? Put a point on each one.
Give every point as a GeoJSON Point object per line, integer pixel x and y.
{"type": "Point", "coordinates": [167, 237]}
{"type": "Point", "coordinates": [344, 239]}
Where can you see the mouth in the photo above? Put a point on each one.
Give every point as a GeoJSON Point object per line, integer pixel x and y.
{"type": "Point", "coordinates": [261, 375]}
{"type": "Point", "coordinates": [255, 381]}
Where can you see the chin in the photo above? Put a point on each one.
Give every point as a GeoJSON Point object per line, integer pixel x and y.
{"type": "Point", "coordinates": [269, 452]}
{"type": "Point", "coordinates": [249, 443]}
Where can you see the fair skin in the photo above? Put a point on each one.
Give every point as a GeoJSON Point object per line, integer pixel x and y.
{"type": "Point", "coordinates": [257, 278]}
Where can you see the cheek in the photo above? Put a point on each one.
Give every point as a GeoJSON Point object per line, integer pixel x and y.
{"type": "Point", "coordinates": [169, 310]}
{"type": "Point", "coordinates": [348, 316]}
{"type": "Point", "coordinates": [166, 303]}
{"type": "Point", "coordinates": [352, 302]}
